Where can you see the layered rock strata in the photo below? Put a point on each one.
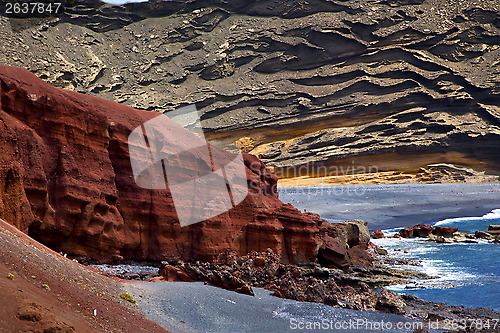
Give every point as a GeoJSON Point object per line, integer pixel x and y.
{"type": "Point", "coordinates": [314, 88]}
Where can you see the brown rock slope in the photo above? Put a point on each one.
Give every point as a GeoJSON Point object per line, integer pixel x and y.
{"type": "Point", "coordinates": [337, 87]}
{"type": "Point", "coordinates": [41, 291]}
{"type": "Point", "coordinates": [66, 180]}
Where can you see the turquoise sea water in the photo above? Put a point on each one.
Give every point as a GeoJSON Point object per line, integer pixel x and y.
{"type": "Point", "coordinates": [469, 273]}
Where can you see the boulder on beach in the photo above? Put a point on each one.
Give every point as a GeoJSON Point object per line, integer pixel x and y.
{"type": "Point", "coordinates": [333, 253]}
{"type": "Point", "coordinates": [171, 273]}
{"type": "Point", "coordinates": [219, 277]}
{"type": "Point", "coordinates": [345, 244]}
{"type": "Point", "coordinates": [357, 233]}
{"type": "Point", "coordinates": [389, 301]}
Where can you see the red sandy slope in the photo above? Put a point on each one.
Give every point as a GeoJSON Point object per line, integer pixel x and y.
{"type": "Point", "coordinates": [49, 293]}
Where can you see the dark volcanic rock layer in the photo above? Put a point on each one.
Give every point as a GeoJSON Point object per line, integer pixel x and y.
{"type": "Point", "coordinates": [66, 180]}
{"type": "Point", "coordinates": [393, 85]}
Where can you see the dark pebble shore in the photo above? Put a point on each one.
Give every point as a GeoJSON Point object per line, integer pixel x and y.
{"type": "Point", "coordinates": [198, 307]}
{"type": "Point", "coordinates": [195, 307]}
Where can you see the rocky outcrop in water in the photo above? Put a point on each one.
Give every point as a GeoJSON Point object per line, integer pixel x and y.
{"type": "Point", "coordinates": [494, 230]}
{"type": "Point", "coordinates": [377, 234]}
{"type": "Point", "coordinates": [330, 87]}
{"type": "Point", "coordinates": [420, 230]}
{"type": "Point", "coordinates": [448, 234]}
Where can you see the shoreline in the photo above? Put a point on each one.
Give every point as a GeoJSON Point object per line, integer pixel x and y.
{"type": "Point", "coordinates": [441, 173]}
{"type": "Point", "coordinates": [453, 252]}
{"type": "Point", "coordinates": [166, 304]}
{"type": "Point", "coordinates": [304, 182]}
{"type": "Point", "coordinates": [395, 205]}
{"type": "Point", "coordinates": [212, 309]}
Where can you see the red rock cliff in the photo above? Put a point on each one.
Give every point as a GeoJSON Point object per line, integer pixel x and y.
{"type": "Point", "coordinates": [66, 180]}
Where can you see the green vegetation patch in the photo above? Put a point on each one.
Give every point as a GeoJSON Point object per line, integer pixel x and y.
{"type": "Point", "coordinates": [127, 297]}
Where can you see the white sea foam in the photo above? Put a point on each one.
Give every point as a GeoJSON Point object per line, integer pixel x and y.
{"type": "Point", "coordinates": [434, 259]}
{"type": "Point", "coordinates": [446, 274]}
{"type": "Point", "coordinates": [446, 271]}
{"type": "Point", "coordinates": [494, 214]}
{"type": "Point", "coordinates": [413, 246]}
{"type": "Point", "coordinates": [391, 232]}
{"type": "Point", "coordinates": [399, 288]}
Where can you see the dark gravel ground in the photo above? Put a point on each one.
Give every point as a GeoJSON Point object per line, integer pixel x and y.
{"type": "Point", "coordinates": [195, 307]}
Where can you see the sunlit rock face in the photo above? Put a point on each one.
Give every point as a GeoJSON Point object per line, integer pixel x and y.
{"type": "Point", "coordinates": [333, 87]}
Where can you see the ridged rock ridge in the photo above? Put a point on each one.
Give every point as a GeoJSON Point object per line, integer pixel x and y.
{"type": "Point", "coordinates": [387, 85]}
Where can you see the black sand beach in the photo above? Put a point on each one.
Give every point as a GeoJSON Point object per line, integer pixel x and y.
{"type": "Point", "coordinates": [195, 307]}
{"type": "Point", "coordinates": [391, 206]}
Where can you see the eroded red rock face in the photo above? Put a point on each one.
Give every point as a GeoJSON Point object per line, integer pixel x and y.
{"type": "Point", "coordinates": [419, 230]}
{"type": "Point", "coordinates": [66, 180]}
{"type": "Point", "coordinates": [377, 234]}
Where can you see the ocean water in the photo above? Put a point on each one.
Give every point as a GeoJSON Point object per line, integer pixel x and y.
{"type": "Point", "coordinates": [466, 274]}
{"type": "Point", "coordinates": [469, 274]}
{"type": "Point", "coordinates": [395, 205]}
